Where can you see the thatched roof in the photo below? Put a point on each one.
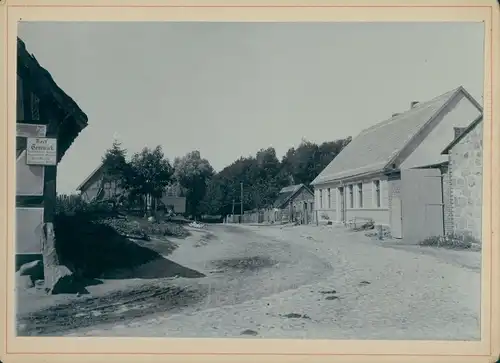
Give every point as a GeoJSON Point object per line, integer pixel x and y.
{"type": "Point", "coordinates": [72, 120]}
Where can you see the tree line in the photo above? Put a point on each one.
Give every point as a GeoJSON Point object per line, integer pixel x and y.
{"type": "Point", "coordinates": [147, 173]}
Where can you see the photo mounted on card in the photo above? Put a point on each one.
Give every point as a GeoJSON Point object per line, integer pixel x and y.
{"type": "Point", "coordinates": [268, 178]}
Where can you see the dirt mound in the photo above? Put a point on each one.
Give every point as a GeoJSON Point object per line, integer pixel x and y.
{"type": "Point", "coordinates": [91, 248]}
{"type": "Point", "coordinates": [158, 268]}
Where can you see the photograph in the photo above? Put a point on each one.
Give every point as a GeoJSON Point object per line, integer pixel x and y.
{"type": "Point", "coordinates": [249, 180]}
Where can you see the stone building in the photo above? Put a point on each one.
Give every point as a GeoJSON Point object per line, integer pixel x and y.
{"type": "Point", "coordinates": [466, 180]}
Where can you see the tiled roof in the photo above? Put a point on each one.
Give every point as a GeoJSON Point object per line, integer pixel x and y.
{"type": "Point", "coordinates": [376, 147]}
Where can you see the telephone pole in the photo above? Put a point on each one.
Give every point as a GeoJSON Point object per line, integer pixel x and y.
{"type": "Point", "coordinates": [241, 202]}
{"type": "Point", "coordinates": [233, 207]}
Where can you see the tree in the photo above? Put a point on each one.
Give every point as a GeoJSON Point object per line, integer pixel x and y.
{"type": "Point", "coordinates": [309, 159]}
{"type": "Point", "coordinates": [193, 173]}
{"type": "Point", "coordinates": [147, 175]}
{"type": "Point", "coordinates": [115, 163]}
{"type": "Point", "coordinates": [263, 176]}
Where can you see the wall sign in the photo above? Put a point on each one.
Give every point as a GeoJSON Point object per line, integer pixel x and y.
{"type": "Point", "coordinates": [41, 151]}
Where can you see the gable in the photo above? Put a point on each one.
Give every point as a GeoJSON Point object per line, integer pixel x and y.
{"type": "Point", "coordinates": [427, 148]}
{"type": "Point", "coordinates": [92, 178]}
{"type": "Point", "coordinates": [288, 194]}
{"type": "Point", "coordinates": [377, 147]}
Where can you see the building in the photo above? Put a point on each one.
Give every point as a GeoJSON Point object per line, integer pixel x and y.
{"type": "Point", "coordinates": [294, 203]}
{"type": "Point", "coordinates": [465, 182]}
{"type": "Point", "coordinates": [97, 186]}
{"type": "Point", "coordinates": [394, 172]}
{"type": "Point", "coordinates": [47, 123]}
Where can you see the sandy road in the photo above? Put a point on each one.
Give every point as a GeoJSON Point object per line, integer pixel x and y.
{"type": "Point", "coordinates": [311, 282]}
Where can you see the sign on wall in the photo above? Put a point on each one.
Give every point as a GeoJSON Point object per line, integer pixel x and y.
{"type": "Point", "coordinates": [41, 151]}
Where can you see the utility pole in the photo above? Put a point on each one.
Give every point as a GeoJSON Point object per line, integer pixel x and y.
{"type": "Point", "coordinates": [241, 204]}
{"type": "Point", "coordinates": [233, 207]}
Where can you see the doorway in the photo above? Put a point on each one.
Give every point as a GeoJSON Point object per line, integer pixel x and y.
{"type": "Point", "coordinates": [342, 204]}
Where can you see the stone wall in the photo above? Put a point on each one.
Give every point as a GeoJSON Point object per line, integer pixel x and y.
{"type": "Point", "coordinates": [448, 201]}
{"type": "Point", "coordinates": [466, 174]}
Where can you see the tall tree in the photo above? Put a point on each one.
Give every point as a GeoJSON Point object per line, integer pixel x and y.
{"type": "Point", "coordinates": [115, 164]}
{"type": "Point", "coordinates": [148, 174]}
{"type": "Point", "coordinates": [193, 173]}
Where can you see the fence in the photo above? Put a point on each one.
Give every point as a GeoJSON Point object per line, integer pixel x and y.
{"type": "Point", "coordinates": [269, 216]}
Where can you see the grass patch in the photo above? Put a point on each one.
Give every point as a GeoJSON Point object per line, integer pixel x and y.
{"type": "Point", "coordinates": [456, 241]}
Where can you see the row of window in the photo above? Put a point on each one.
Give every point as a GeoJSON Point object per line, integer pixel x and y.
{"type": "Point", "coordinates": [350, 191]}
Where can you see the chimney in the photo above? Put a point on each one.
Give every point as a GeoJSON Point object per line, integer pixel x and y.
{"type": "Point", "coordinates": [413, 104]}
{"type": "Point", "coordinates": [458, 131]}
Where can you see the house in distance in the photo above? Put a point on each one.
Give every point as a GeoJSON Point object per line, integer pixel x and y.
{"type": "Point", "coordinates": [294, 203]}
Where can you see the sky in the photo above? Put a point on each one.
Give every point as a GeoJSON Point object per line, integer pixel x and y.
{"type": "Point", "coordinates": [230, 89]}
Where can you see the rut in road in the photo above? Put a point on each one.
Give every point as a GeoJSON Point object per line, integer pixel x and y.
{"type": "Point", "coordinates": [253, 266]}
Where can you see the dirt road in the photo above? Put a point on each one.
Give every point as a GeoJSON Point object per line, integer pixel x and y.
{"type": "Point", "coordinates": [307, 282]}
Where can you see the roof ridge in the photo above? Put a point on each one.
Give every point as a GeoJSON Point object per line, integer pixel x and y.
{"type": "Point", "coordinates": [417, 107]}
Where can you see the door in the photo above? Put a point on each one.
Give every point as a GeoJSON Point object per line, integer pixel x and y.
{"type": "Point", "coordinates": [422, 199]}
{"type": "Point", "coordinates": [342, 204]}
{"type": "Point", "coordinates": [396, 211]}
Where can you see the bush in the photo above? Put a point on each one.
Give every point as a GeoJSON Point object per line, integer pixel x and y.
{"type": "Point", "coordinates": [126, 228]}
{"type": "Point", "coordinates": [167, 229]}
{"type": "Point", "coordinates": [75, 205]}
{"type": "Point", "coordinates": [459, 241]}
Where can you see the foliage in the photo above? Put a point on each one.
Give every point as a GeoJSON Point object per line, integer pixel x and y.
{"type": "Point", "coordinates": [74, 205]}
{"type": "Point", "coordinates": [147, 174]}
{"type": "Point", "coordinates": [115, 164]}
{"type": "Point", "coordinates": [462, 241]}
{"type": "Point", "coordinates": [193, 173]}
{"type": "Point", "coordinates": [167, 230]}
{"type": "Point", "coordinates": [263, 176]}
{"type": "Point", "coordinates": [309, 159]}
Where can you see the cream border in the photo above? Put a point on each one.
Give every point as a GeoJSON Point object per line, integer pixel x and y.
{"type": "Point", "coordinates": [132, 349]}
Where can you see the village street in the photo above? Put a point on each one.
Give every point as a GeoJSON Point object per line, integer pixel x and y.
{"type": "Point", "coordinates": [314, 282]}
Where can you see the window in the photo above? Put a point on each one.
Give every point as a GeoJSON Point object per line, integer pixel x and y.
{"type": "Point", "coordinates": [321, 199]}
{"type": "Point", "coordinates": [376, 185]}
{"type": "Point", "coordinates": [329, 199]}
{"type": "Point", "coordinates": [360, 195]}
{"type": "Point", "coordinates": [351, 197]}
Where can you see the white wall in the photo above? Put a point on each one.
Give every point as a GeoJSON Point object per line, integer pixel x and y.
{"type": "Point", "coordinates": [92, 190]}
{"type": "Point", "coordinates": [29, 223]}
{"type": "Point", "coordinates": [369, 208]}
{"type": "Point", "coordinates": [461, 113]}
